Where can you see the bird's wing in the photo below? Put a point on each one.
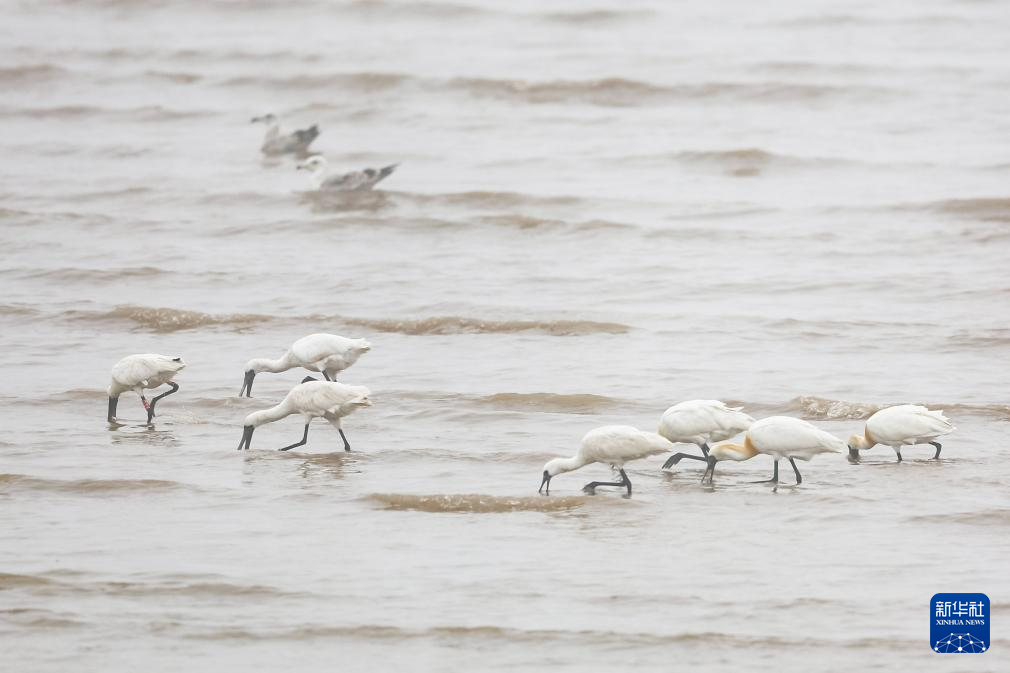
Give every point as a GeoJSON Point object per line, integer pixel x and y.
{"type": "Point", "coordinates": [784, 433]}
{"type": "Point", "coordinates": [306, 136]}
{"type": "Point", "coordinates": [135, 369]}
{"type": "Point", "coordinates": [317, 347]}
{"type": "Point", "coordinates": [358, 180]}
{"type": "Point", "coordinates": [907, 422]}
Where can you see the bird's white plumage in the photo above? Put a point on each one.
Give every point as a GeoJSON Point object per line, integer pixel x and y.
{"type": "Point", "coordinates": [611, 444]}
{"type": "Point", "coordinates": [907, 424]}
{"type": "Point", "coordinates": [143, 371]}
{"type": "Point", "coordinates": [328, 353]}
{"type": "Point", "coordinates": [787, 437]}
{"type": "Point", "coordinates": [354, 181]}
{"type": "Point", "coordinates": [702, 421]}
{"type": "Point", "coordinates": [315, 399]}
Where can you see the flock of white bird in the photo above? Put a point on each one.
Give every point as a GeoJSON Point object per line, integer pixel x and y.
{"type": "Point", "coordinates": [277, 143]}
{"type": "Point", "coordinates": [708, 424]}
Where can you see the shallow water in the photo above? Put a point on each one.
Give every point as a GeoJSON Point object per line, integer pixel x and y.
{"type": "Point", "coordinates": [601, 210]}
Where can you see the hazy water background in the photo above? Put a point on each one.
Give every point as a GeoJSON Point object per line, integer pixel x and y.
{"type": "Point", "coordinates": [602, 209]}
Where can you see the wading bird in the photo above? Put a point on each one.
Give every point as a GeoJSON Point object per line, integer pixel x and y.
{"type": "Point", "coordinates": [275, 142]}
{"type": "Point", "coordinates": [779, 437]}
{"type": "Point", "coordinates": [329, 354]}
{"type": "Point", "coordinates": [139, 373]}
{"type": "Point", "coordinates": [727, 451]}
{"type": "Point", "coordinates": [355, 181]}
{"type": "Point", "coordinates": [902, 425]}
{"type": "Point", "coordinates": [612, 444]}
{"type": "Point", "coordinates": [311, 399]}
{"type": "Point", "coordinates": [700, 422]}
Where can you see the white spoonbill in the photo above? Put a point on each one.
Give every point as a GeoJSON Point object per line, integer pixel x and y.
{"type": "Point", "coordinates": [902, 425]}
{"type": "Point", "coordinates": [275, 142]}
{"type": "Point", "coordinates": [700, 422]}
{"type": "Point", "coordinates": [779, 437]}
{"type": "Point", "coordinates": [355, 181]}
{"type": "Point", "coordinates": [311, 399]}
{"type": "Point", "coordinates": [326, 353]}
{"type": "Point", "coordinates": [140, 372]}
{"type": "Point", "coordinates": [613, 444]}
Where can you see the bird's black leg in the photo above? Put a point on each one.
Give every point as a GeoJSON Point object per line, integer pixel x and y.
{"type": "Point", "coordinates": [938, 445]}
{"type": "Point", "coordinates": [147, 406]}
{"type": "Point", "coordinates": [113, 403]}
{"type": "Point", "coordinates": [326, 376]}
{"type": "Point", "coordinates": [709, 471]}
{"type": "Point", "coordinates": [775, 475]}
{"type": "Point", "coordinates": [150, 411]}
{"type": "Point", "coordinates": [677, 457]}
{"type": "Point", "coordinates": [347, 445]}
{"type": "Point", "coordinates": [591, 486]}
{"type": "Point", "coordinates": [799, 479]}
{"type": "Point", "coordinates": [705, 449]}
{"type": "Point", "coordinates": [898, 451]}
{"type": "Point", "coordinates": [305, 438]}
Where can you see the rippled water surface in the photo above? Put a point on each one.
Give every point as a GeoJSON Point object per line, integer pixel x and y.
{"type": "Point", "coordinates": [800, 207]}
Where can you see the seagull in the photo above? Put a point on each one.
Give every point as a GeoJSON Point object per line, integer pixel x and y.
{"type": "Point", "coordinates": [355, 181]}
{"type": "Point", "coordinates": [779, 437]}
{"type": "Point", "coordinates": [902, 425]}
{"type": "Point", "coordinates": [140, 372]}
{"type": "Point", "coordinates": [326, 353]}
{"type": "Point", "coordinates": [700, 422]}
{"type": "Point", "coordinates": [613, 444]}
{"type": "Point", "coordinates": [275, 142]}
{"type": "Point", "coordinates": [311, 399]}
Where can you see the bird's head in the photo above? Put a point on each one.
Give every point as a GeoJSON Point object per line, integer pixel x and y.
{"type": "Point", "coordinates": [252, 368]}
{"type": "Point", "coordinates": [552, 469]}
{"type": "Point", "coordinates": [313, 163]}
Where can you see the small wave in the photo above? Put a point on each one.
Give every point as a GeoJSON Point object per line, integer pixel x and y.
{"type": "Point", "coordinates": [596, 16]}
{"type": "Point", "coordinates": [173, 320]}
{"type": "Point", "coordinates": [12, 581]}
{"type": "Point", "coordinates": [620, 92]}
{"type": "Point", "coordinates": [501, 200]}
{"type": "Point", "coordinates": [76, 275]}
{"type": "Point", "coordinates": [986, 209]}
{"type": "Point", "coordinates": [986, 517]}
{"type": "Point", "coordinates": [474, 503]}
{"type": "Point", "coordinates": [83, 486]}
{"type": "Point", "coordinates": [29, 73]}
{"type": "Point", "coordinates": [13, 309]}
{"type": "Point", "coordinates": [148, 113]}
{"type": "Point", "coordinates": [531, 222]}
{"type": "Point", "coordinates": [168, 319]}
{"type": "Point", "coordinates": [461, 325]}
{"type": "Point", "coordinates": [361, 82]}
{"type": "Point", "coordinates": [824, 409]}
{"type": "Point", "coordinates": [551, 402]}
{"type": "Point", "coordinates": [419, 10]}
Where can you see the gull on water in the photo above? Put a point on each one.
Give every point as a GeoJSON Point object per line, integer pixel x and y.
{"type": "Point", "coordinates": [312, 399]}
{"type": "Point", "coordinates": [612, 444]}
{"type": "Point", "coordinates": [355, 181]}
{"type": "Point", "coordinates": [902, 425]}
{"type": "Point", "coordinates": [700, 422]}
{"type": "Point", "coordinates": [326, 353]}
{"type": "Point", "coordinates": [139, 373]}
{"type": "Point", "coordinates": [275, 142]}
{"type": "Point", "coordinates": [778, 437]}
